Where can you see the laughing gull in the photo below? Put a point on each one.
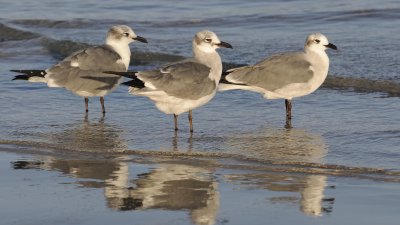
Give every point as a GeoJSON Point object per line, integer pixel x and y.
{"type": "Point", "coordinates": [287, 75]}
{"type": "Point", "coordinates": [185, 85]}
{"type": "Point", "coordinates": [71, 72]}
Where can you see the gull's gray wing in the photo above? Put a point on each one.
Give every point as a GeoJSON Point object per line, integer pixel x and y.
{"type": "Point", "coordinates": [185, 79]}
{"type": "Point", "coordinates": [82, 70]}
{"type": "Point", "coordinates": [98, 58]}
{"type": "Point", "coordinates": [274, 73]}
{"type": "Point", "coordinates": [87, 83]}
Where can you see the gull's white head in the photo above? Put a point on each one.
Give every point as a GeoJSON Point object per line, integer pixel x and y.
{"type": "Point", "coordinates": [318, 41]}
{"type": "Point", "coordinates": [122, 34]}
{"type": "Point", "coordinates": [119, 37]}
{"type": "Point", "coordinates": [208, 41]}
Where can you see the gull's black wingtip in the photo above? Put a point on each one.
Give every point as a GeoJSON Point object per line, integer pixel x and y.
{"type": "Point", "coordinates": [136, 83]}
{"type": "Point", "coordinates": [26, 74]}
{"type": "Point", "coordinates": [223, 79]}
{"type": "Point", "coordinates": [224, 73]}
{"type": "Point", "coordinates": [21, 77]}
{"type": "Point", "coordinates": [128, 83]}
{"type": "Point", "coordinates": [127, 74]}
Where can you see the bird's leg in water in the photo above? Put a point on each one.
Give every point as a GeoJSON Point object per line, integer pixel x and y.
{"type": "Point", "coordinates": [190, 121]}
{"type": "Point", "coordinates": [102, 105]}
{"type": "Point", "coordinates": [288, 104]}
{"type": "Point", "coordinates": [87, 104]}
{"type": "Point", "coordinates": [176, 122]}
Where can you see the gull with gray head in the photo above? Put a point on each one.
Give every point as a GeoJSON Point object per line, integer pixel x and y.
{"type": "Point", "coordinates": [185, 85]}
{"type": "Point", "coordinates": [71, 73]}
{"type": "Point", "coordinates": [287, 75]}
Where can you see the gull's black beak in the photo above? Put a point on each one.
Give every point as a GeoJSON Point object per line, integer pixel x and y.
{"type": "Point", "coordinates": [332, 46]}
{"type": "Point", "coordinates": [141, 39]}
{"type": "Point", "coordinates": [224, 45]}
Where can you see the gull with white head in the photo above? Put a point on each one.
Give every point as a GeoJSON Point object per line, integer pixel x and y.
{"type": "Point", "coordinates": [287, 75]}
{"type": "Point", "coordinates": [185, 85]}
{"type": "Point", "coordinates": [71, 73]}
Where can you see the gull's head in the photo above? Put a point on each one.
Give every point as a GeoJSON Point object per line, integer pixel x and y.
{"type": "Point", "coordinates": [318, 41]}
{"type": "Point", "coordinates": [208, 41]}
{"type": "Point", "coordinates": [123, 34]}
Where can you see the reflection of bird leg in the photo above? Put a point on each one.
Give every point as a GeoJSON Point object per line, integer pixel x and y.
{"type": "Point", "coordinates": [101, 120]}
{"type": "Point", "coordinates": [86, 120]}
{"type": "Point", "coordinates": [288, 124]}
{"type": "Point", "coordinates": [176, 122]}
{"type": "Point", "coordinates": [190, 141]}
{"type": "Point", "coordinates": [87, 104]}
{"type": "Point", "coordinates": [102, 105]}
{"type": "Point", "coordinates": [288, 104]}
{"type": "Point", "coordinates": [190, 121]}
{"type": "Point", "coordinates": [175, 142]}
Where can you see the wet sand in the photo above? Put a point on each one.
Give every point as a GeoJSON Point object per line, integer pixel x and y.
{"type": "Point", "coordinates": [50, 187]}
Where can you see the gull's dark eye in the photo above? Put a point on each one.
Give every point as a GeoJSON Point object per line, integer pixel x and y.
{"type": "Point", "coordinates": [126, 34]}
{"type": "Point", "coordinates": [208, 40]}
{"type": "Point", "coordinates": [317, 41]}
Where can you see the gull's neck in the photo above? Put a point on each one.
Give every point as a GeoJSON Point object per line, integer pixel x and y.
{"type": "Point", "coordinates": [122, 48]}
{"type": "Point", "coordinates": [210, 59]}
{"type": "Point", "coordinates": [320, 63]}
{"type": "Point", "coordinates": [317, 56]}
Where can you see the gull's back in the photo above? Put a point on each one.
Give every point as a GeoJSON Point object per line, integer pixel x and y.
{"type": "Point", "coordinates": [186, 79]}
{"type": "Point", "coordinates": [73, 71]}
{"type": "Point", "coordinates": [274, 72]}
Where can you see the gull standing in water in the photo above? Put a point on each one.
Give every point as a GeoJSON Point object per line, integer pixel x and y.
{"type": "Point", "coordinates": [71, 72]}
{"type": "Point", "coordinates": [287, 76]}
{"type": "Point", "coordinates": [185, 85]}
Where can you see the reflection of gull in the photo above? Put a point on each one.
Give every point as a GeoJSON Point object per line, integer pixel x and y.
{"type": "Point", "coordinates": [180, 187]}
{"type": "Point", "coordinates": [168, 187]}
{"type": "Point", "coordinates": [86, 136]}
{"type": "Point", "coordinates": [110, 174]}
{"type": "Point", "coordinates": [90, 137]}
{"type": "Point", "coordinates": [176, 141]}
{"type": "Point", "coordinates": [90, 62]}
{"type": "Point", "coordinates": [117, 190]}
{"type": "Point", "coordinates": [280, 145]}
{"type": "Point", "coordinates": [94, 170]}
{"type": "Point", "coordinates": [286, 146]}
{"type": "Point", "coordinates": [312, 195]}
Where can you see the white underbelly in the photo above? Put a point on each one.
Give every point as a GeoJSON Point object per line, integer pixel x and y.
{"type": "Point", "coordinates": [174, 105]}
{"type": "Point", "coordinates": [101, 93]}
{"type": "Point", "coordinates": [289, 91]}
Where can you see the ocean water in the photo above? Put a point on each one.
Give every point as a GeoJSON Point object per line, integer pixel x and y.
{"type": "Point", "coordinates": [350, 127]}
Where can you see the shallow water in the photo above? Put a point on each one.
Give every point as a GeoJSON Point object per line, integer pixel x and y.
{"type": "Point", "coordinates": [348, 128]}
